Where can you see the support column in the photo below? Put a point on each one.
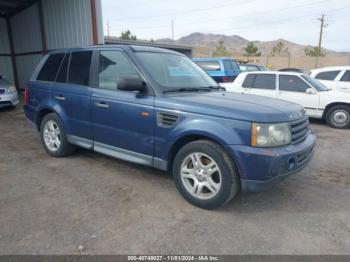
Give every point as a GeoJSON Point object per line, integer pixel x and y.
{"type": "Point", "coordinates": [42, 27]}
{"type": "Point", "coordinates": [94, 22]}
{"type": "Point", "coordinates": [12, 51]}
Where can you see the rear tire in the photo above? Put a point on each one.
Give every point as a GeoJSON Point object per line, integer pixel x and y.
{"type": "Point", "coordinates": [338, 116]}
{"type": "Point", "coordinates": [53, 137]}
{"type": "Point", "coordinates": [205, 175]}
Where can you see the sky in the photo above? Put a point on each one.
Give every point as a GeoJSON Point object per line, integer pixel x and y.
{"type": "Point", "coordinates": [264, 20]}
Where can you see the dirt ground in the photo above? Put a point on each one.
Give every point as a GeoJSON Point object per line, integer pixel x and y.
{"type": "Point", "coordinates": [107, 206]}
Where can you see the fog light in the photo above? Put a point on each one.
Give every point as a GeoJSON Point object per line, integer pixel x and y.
{"type": "Point", "coordinates": [291, 164]}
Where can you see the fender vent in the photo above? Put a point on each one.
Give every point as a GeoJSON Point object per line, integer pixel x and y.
{"type": "Point", "coordinates": [166, 120]}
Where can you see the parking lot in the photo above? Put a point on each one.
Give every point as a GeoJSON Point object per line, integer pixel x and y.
{"type": "Point", "coordinates": [107, 206]}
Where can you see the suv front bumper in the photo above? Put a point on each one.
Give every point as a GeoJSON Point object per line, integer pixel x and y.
{"type": "Point", "coordinates": [261, 168]}
{"type": "Point", "coordinates": [9, 99]}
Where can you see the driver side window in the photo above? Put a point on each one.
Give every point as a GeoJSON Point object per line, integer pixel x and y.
{"type": "Point", "coordinates": [292, 83]}
{"type": "Point", "coordinates": [114, 65]}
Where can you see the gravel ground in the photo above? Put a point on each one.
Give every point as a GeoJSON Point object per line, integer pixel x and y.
{"type": "Point", "coordinates": [92, 204]}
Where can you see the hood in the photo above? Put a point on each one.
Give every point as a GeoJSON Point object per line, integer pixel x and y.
{"type": "Point", "coordinates": [234, 106]}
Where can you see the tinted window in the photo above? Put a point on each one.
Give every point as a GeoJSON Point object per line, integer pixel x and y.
{"type": "Point", "coordinates": [252, 68]}
{"type": "Point", "coordinates": [230, 65]}
{"type": "Point", "coordinates": [62, 74]}
{"type": "Point", "coordinates": [346, 77]}
{"type": "Point", "coordinates": [49, 70]}
{"type": "Point", "coordinates": [328, 75]}
{"type": "Point", "coordinates": [249, 81]}
{"type": "Point", "coordinates": [114, 65]}
{"type": "Point", "coordinates": [209, 65]}
{"type": "Point", "coordinates": [265, 82]}
{"type": "Point", "coordinates": [315, 83]}
{"type": "Point", "coordinates": [79, 68]}
{"type": "Point", "coordinates": [292, 83]}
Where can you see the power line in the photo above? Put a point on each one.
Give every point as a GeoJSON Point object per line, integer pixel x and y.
{"type": "Point", "coordinates": [233, 17]}
{"type": "Point", "coordinates": [184, 12]}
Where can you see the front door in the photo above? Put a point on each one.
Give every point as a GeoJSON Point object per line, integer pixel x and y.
{"type": "Point", "coordinates": [292, 88]}
{"type": "Point", "coordinates": [344, 82]}
{"type": "Point", "coordinates": [123, 121]}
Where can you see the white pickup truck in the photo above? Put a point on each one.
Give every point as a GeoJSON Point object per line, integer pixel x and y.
{"type": "Point", "coordinates": [335, 77]}
{"type": "Point", "coordinates": [318, 100]}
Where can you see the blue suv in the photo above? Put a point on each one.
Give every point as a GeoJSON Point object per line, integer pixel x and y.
{"type": "Point", "coordinates": [156, 107]}
{"type": "Point", "coordinates": [222, 70]}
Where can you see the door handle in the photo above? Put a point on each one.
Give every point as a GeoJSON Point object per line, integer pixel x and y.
{"type": "Point", "coordinates": [60, 97]}
{"type": "Point", "coordinates": [102, 105]}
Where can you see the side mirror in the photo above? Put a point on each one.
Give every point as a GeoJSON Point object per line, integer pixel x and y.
{"type": "Point", "coordinates": [131, 84]}
{"type": "Point", "coordinates": [310, 91]}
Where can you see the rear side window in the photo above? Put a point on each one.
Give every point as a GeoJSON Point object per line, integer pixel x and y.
{"type": "Point", "coordinates": [346, 77]}
{"type": "Point", "coordinates": [252, 68]}
{"type": "Point", "coordinates": [328, 75]}
{"type": "Point", "coordinates": [260, 81]}
{"type": "Point", "coordinates": [62, 74]}
{"type": "Point", "coordinates": [230, 65]}
{"type": "Point", "coordinates": [49, 70]}
{"type": "Point", "coordinates": [209, 65]}
{"type": "Point", "coordinates": [249, 81]}
{"type": "Point", "coordinates": [292, 83]}
{"type": "Point", "coordinates": [79, 68]}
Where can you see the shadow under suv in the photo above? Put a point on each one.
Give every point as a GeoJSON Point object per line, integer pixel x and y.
{"type": "Point", "coordinates": [158, 108]}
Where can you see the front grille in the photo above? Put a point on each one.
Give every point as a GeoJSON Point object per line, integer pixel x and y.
{"type": "Point", "coordinates": [2, 91]}
{"type": "Point", "coordinates": [304, 156]}
{"type": "Point", "coordinates": [300, 129]}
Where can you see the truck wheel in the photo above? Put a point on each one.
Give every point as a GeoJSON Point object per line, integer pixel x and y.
{"type": "Point", "coordinates": [205, 175]}
{"type": "Point", "coordinates": [338, 116]}
{"type": "Point", "coordinates": [54, 138]}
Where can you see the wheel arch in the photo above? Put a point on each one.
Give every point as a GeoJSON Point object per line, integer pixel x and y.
{"type": "Point", "coordinates": [185, 139]}
{"type": "Point", "coordinates": [329, 106]}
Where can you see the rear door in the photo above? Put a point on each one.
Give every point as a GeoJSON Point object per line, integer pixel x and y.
{"type": "Point", "coordinates": [123, 121]}
{"type": "Point", "coordinates": [344, 81]}
{"type": "Point", "coordinates": [70, 96]}
{"type": "Point", "coordinates": [293, 89]}
{"type": "Point", "coordinates": [260, 84]}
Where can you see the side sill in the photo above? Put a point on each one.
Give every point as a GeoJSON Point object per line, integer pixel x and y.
{"type": "Point", "coordinates": [82, 142]}
{"type": "Point", "coordinates": [123, 154]}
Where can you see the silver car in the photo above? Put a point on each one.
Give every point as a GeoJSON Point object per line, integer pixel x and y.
{"type": "Point", "coordinates": [8, 93]}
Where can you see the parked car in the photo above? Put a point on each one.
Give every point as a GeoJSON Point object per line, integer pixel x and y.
{"type": "Point", "coordinates": [318, 101]}
{"type": "Point", "coordinates": [222, 70]}
{"type": "Point", "coordinates": [292, 69]}
{"type": "Point", "coordinates": [8, 93]}
{"type": "Point", "coordinates": [156, 107]}
{"type": "Point", "coordinates": [335, 78]}
{"type": "Point", "coordinates": [252, 67]}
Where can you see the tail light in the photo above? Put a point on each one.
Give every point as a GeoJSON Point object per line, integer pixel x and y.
{"type": "Point", "coordinates": [225, 79]}
{"type": "Point", "coordinates": [26, 95]}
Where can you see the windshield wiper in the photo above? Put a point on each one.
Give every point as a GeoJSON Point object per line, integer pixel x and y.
{"type": "Point", "coordinates": [217, 87]}
{"type": "Point", "coordinates": [187, 89]}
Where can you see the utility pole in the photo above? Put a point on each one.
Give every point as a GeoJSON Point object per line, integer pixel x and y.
{"type": "Point", "coordinates": [172, 29]}
{"type": "Point", "coordinates": [108, 28]}
{"type": "Point", "coordinates": [323, 25]}
{"type": "Point", "coordinates": [321, 31]}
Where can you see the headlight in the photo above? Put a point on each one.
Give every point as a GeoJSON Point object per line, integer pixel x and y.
{"type": "Point", "coordinates": [11, 89]}
{"type": "Point", "coordinates": [270, 135]}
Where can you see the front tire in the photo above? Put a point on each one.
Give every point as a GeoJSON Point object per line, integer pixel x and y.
{"type": "Point", "coordinates": [205, 175]}
{"type": "Point", "coordinates": [53, 137]}
{"type": "Point", "coordinates": [338, 116]}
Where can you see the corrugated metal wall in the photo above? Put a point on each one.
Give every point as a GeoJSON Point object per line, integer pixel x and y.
{"type": "Point", "coordinates": [5, 60]}
{"type": "Point", "coordinates": [67, 23]}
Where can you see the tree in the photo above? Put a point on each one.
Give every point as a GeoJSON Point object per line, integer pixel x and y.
{"type": "Point", "coordinates": [251, 50]}
{"type": "Point", "coordinates": [221, 50]}
{"type": "Point", "coordinates": [127, 35]}
{"type": "Point", "coordinates": [279, 50]}
{"type": "Point", "coordinates": [315, 51]}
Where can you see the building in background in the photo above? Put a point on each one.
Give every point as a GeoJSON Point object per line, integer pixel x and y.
{"type": "Point", "coordinates": [30, 28]}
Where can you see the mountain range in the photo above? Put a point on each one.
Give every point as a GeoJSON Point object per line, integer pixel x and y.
{"type": "Point", "coordinates": [236, 44]}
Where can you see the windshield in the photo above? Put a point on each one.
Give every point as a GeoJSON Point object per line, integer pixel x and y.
{"type": "Point", "coordinates": [315, 83]}
{"type": "Point", "coordinates": [174, 72]}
